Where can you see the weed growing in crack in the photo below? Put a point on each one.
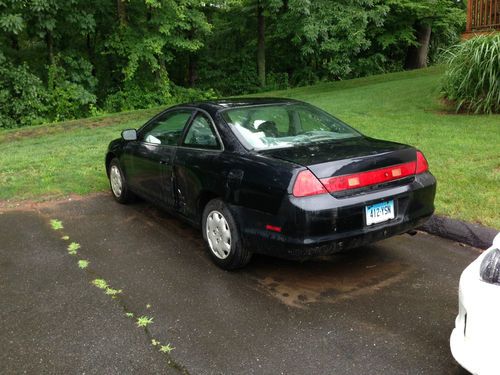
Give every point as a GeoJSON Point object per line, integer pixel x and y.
{"type": "Point", "coordinates": [112, 292]}
{"type": "Point", "coordinates": [144, 321]}
{"type": "Point", "coordinates": [100, 283]}
{"type": "Point", "coordinates": [166, 348]}
{"type": "Point", "coordinates": [73, 247]}
{"type": "Point", "coordinates": [82, 263]}
{"type": "Point", "coordinates": [56, 224]}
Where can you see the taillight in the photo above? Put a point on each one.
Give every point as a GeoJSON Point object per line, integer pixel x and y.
{"type": "Point", "coordinates": [307, 184]}
{"type": "Point", "coordinates": [368, 178]}
{"type": "Point", "coordinates": [422, 165]}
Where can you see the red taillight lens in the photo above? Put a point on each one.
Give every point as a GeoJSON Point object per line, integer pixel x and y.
{"type": "Point", "coordinates": [368, 178]}
{"type": "Point", "coordinates": [422, 165]}
{"type": "Point", "coordinates": [307, 184]}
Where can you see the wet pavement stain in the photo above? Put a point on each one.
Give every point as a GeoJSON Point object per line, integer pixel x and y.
{"type": "Point", "coordinates": [328, 280]}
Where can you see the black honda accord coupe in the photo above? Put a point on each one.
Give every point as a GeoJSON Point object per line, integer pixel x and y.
{"type": "Point", "coordinates": [271, 176]}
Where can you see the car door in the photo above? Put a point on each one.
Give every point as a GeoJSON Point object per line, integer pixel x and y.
{"type": "Point", "coordinates": [151, 156]}
{"type": "Point", "coordinates": [196, 164]}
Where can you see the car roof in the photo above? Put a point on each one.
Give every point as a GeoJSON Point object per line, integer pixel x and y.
{"type": "Point", "coordinates": [216, 105]}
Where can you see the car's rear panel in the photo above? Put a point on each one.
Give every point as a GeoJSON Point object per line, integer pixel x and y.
{"type": "Point", "coordinates": [327, 223]}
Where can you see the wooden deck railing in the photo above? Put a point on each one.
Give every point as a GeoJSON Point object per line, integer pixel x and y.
{"type": "Point", "coordinates": [483, 15]}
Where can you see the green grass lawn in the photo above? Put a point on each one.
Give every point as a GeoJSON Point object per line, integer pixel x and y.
{"type": "Point", "coordinates": [463, 151]}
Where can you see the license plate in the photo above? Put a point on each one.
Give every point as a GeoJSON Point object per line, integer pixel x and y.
{"type": "Point", "coordinates": [380, 212]}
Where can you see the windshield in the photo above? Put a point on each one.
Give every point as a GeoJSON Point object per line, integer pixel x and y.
{"type": "Point", "coordinates": [285, 125]}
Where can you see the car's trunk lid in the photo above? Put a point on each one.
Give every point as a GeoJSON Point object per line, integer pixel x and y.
{"type": "Point", "coordinates": [346, 157]}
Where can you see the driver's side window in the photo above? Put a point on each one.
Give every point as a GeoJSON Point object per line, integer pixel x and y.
{"type": "Point", "coordinates": [167, 129]}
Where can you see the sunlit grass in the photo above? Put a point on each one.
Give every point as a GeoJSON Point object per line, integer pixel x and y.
{"type": "Point", "coordinates": [462, 150]}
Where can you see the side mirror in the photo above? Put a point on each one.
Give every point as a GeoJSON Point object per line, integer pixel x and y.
{"type": "Point", "coordinates": [129, 135]}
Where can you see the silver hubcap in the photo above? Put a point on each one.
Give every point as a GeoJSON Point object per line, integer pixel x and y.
{"type": "Point", "coordinates": [116, 181]}
{"type": "Point", "coordinates": [218, 235]}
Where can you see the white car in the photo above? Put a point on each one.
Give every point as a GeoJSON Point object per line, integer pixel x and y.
{"type": "Point", "coordinates": [475, 340]}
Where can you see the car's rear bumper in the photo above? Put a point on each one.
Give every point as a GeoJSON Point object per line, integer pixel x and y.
{"type": "Point", "coordinates": [281, 247]}
{"type": "Point", "coordinates": [323, 224]}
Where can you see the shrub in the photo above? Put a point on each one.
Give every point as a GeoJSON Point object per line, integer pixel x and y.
{"type": "Point", "coordinates": [277, 81]}
{"type": "Point", "coordinates": [134, 96]}
{"type": "Point", "coordinates": [70, 91]}
{"type": "Point", "coordinates": [229, 75]}
{"type": "Point", "coordinates": [23, 97]}
{"type": "Point", "coordinates": [186, 95]}
{"type": "Point", "coordinates": [471, 81]}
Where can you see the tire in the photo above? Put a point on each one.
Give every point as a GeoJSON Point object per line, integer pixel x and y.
{"type": "Point", "coordinates": [118, 184]}
{"type": "Point", "coordinates": [221, 234]}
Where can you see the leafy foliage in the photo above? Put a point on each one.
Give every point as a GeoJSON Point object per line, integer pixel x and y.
{"type": "Point", "coordinates": [68, 94]}
{"type": "Point", "coordinates": [82, 263]}
{"type": "Point", "coordinates": [23, 98]}
{"type": "Point", "coordinates": [113, 292]}
{"type": "Point", "coordinates": [100, 283]}
{"type": "Point", "coordinates": [56, 224]}
{"type": "Point", "coordinates": [144, 321]}
{"type": "Point", "coordinates": [166, 348]}
{"type": "Point", "coordinates": [73, 248]}
{"type": "Point", "coordinates": [76, 58]}
{"type": "Point", "coordinates": [472, 79]}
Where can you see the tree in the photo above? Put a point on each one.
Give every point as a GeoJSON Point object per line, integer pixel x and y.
{"type": "Point", "coordinates": [410, 25]}
{"type": "Point", "coordinates": [88, 55]}
{"type": "Point", "coordinates": [327, 35]}
{"type": "Point", "coordinates": [261, 44]}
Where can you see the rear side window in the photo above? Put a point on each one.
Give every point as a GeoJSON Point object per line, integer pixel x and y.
{"type": "Point", "coordinates": [167, 129]}
{"type": "Point", "coordinates": [284, 125]}
{"type": "Point", "coordinates": [201, 134]}
{"type": "Point", "coordinates": [275, 119]}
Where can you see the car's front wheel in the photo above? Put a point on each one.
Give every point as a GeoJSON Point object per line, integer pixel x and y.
{"type": "Point", "coordinates": [221, 234]}
{"type": "Point", "coordinates": [118, 183]}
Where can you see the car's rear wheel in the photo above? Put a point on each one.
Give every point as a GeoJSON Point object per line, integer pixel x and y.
{"type": "Point", "coordinates": [221, 234]}
{"type": "Point", "coordinates": [118, 183]}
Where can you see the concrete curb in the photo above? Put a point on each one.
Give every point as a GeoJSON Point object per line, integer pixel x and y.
{"type": "Point", "coordinates": [474, 235]}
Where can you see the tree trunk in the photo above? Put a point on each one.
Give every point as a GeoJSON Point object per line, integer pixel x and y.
{"type": "Point", "coordinates": [14, 42]}
{"type": "Point", "coordinates": [416, 56]}
{"type": "Point", "coordinates": [285, 6]}
{"type": "Point", "coordinates": [121, 12]}
{"type": "Point", "coordinates": [90, 50]}
{"type": "Point", "coordinates": [192, 75]}
{"type": "Point", "coordinates": [261, 45]}
{"type": "Point", "coordinates": [49, 40]}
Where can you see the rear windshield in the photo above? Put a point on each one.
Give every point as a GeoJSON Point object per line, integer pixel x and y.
{"type": "Point", "coordinates": [285, 125]}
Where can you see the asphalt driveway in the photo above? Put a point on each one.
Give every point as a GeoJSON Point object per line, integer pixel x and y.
{"type": "Point", "coordinates": [382, 309]}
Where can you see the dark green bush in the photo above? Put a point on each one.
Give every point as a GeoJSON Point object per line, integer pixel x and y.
{"type": "Point", "coordinates": [229, 75]}
{"type": "Point", "coordinates": [134, 96]}
{"type": "Point", "coordinates": [188, 95]}
{"type": "Point", "coordinates": [23, 98]}
{"type": "Point", "coordinates": [277, 81]}
{"type": "Point", "coordinates": [70, 88]}
{"type": "Point", "coordinates": [472, 78]}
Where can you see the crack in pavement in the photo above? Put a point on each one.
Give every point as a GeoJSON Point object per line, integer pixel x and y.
{"type": "Point", "coordinates": [118, 297]}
